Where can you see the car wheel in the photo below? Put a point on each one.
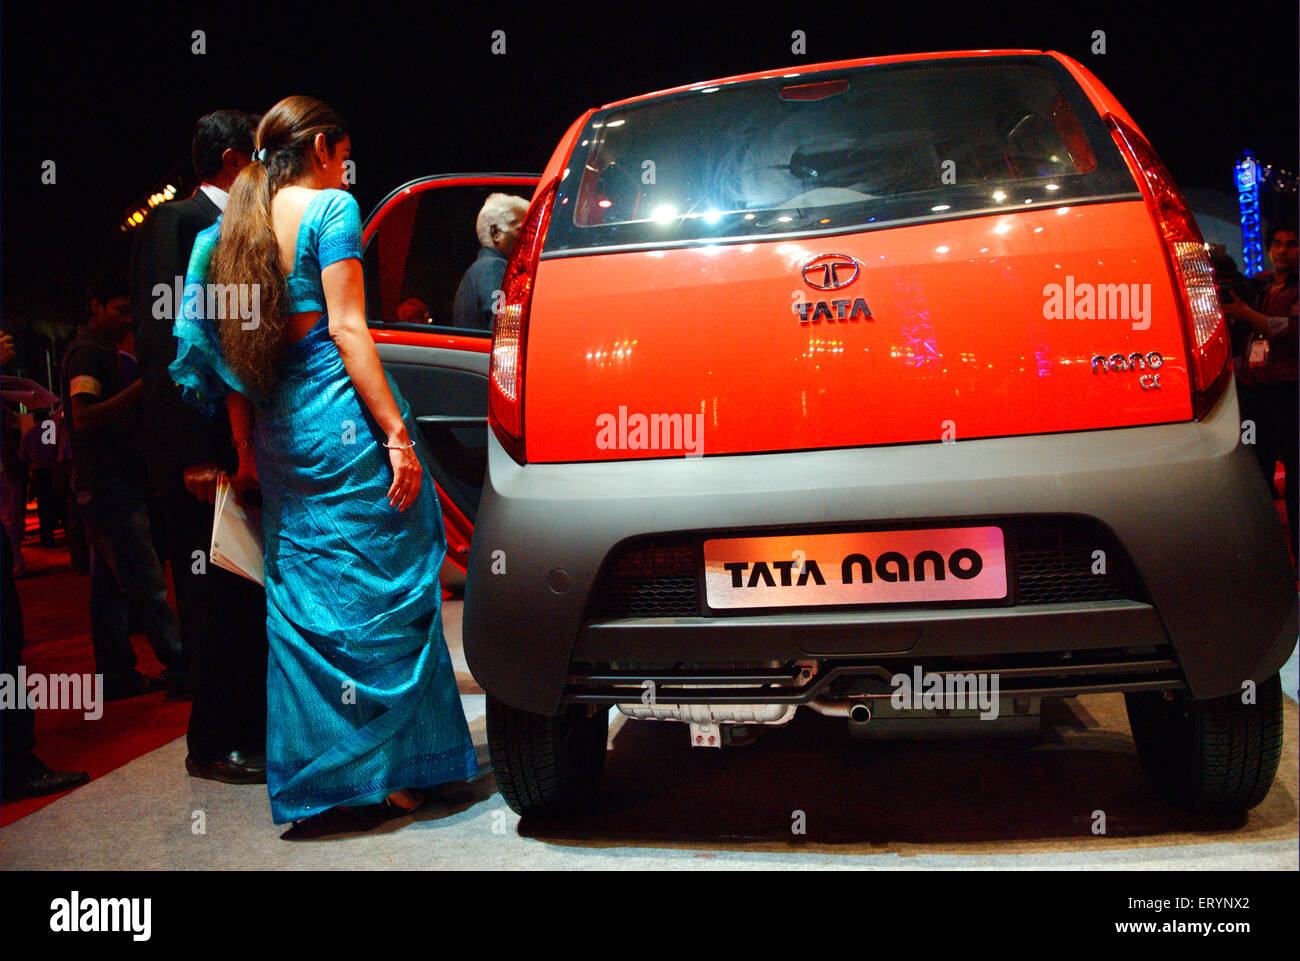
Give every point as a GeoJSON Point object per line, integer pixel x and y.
{"type": "Point", "coordinates": [547, 766]}
{"type": "Point", "coordinates": [1214, 756]}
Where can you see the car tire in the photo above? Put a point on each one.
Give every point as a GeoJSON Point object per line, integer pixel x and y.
{"type": "Point", "coordinates": [1217, 756]}
{"type": "Point", "coordinates": [547, 766]}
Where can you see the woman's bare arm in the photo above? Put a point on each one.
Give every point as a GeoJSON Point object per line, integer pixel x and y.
{"type": "Point", "coordinates": [345, 303]}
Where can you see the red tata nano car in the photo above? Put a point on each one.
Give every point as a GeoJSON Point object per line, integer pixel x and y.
{"type": "Point", "coordinates": [840, 387]}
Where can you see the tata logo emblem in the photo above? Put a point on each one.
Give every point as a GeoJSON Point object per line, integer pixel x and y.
{"type": "Point", "coordinates": [830, 271]}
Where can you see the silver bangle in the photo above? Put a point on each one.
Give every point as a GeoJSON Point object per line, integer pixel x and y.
{"type": "Point", "coordinates": [400, 446]}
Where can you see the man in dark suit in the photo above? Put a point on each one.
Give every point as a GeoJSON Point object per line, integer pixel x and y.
{"type": "Point", "coordinates": [222, 615]}
{"type": "Point", "coordinates": [497, 226]}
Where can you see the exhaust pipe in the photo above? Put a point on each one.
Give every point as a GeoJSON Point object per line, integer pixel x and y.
{"type": "Point", "coordinates": [856, 711]}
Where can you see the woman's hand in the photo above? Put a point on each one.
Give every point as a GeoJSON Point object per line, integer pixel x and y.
{"type": "Point", "coordinates": [201, 481]}
{"type": "Point", "coordinates": [407, 471]}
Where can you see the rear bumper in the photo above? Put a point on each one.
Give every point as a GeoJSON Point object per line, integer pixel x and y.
{"type": "Point", "coordinates": [1185, 501]}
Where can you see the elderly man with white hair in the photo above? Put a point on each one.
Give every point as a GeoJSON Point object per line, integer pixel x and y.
{"type": "Point", "coordinates": [497, 228]}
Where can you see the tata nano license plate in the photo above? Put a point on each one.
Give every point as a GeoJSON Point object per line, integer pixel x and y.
{"type": "Point", "coordinates": [880, 567]}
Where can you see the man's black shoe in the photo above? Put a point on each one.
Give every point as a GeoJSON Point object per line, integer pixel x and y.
{"type": "Point", "coordinates": [131, 685]}
{"type": "Point", "coordinates": [40, 781]}
{"type": "Point", "coordinates": [235, 768]}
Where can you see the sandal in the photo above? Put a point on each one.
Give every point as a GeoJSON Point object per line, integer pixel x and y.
{"type": "Point", "coordinates": [350, 820]}
{"type": "Point", "coordinates": [341, 820]}
{"type": "Point", "coordinates": [393, 810]}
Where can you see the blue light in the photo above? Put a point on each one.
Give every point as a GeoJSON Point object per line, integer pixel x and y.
{"type": "Point", "coordinates": [1246, 174]}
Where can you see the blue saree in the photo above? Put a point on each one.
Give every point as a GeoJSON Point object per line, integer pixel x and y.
{"type": "Point", "coordinates": [361, 695]}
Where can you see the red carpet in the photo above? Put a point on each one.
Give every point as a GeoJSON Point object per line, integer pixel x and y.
{"type": "Point", "coordinates": [56, 606]}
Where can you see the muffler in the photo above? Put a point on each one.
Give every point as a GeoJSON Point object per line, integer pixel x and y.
{"type": "Point", "coordinates": [705, 720]}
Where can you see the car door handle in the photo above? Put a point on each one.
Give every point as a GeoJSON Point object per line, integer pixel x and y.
{"type": "Point", "coordinates": [451, 420]}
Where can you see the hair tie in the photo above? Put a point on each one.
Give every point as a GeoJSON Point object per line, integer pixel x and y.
{"type": "Point", "coordinates": [260, 155]}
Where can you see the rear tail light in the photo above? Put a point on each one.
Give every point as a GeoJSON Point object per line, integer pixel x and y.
{"type": "Point", "coordinates": [510, 333]}
{"type": "Point", "coordinates": [1204, 330]}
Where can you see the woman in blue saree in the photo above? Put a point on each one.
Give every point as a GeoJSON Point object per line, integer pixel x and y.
{"type": "Point", "coordinates": [363, 707]}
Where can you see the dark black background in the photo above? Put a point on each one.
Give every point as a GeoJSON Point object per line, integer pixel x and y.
{"type": "Point", "coordinates": [914, 913]}
{"type": "Point", "coordinates": [111, 96]}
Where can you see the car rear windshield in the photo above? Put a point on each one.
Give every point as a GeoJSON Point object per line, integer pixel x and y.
{"type": "Point", "coordinates": [858, 148]}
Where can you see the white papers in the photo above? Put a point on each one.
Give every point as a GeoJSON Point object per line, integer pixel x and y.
{"type": "Point", "coordinates": [236, 538]}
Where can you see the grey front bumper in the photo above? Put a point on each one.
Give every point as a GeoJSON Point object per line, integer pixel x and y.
{"type": "Point", "coordinates": [1185, 501]}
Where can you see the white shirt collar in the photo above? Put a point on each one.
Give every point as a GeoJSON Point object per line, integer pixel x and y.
{"type": "Point", "coordinates": [216, 195]}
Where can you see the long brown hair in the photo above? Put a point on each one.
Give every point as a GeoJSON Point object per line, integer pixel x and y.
{"type": "Point", "coordinates": [248, 252]}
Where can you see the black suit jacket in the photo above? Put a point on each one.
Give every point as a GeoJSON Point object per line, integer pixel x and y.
{"type": "Point", "coordinates": [472, 307]}
{"type": "Point", "coordinates": [176, 435]}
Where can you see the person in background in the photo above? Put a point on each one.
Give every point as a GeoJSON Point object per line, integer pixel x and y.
{"type": "Point", "coordinates": [413, 311]}
{"type": "Point", "coordinates": [108, 479]}
{"type": "Point", "coordinates": [40, 451]}
{"type": "Point", "coordinates": [1267, 371]}
{"type": "Point", "coordinates": [222, 615]}
{"type": "Point", "coordinates": [158, 522]}
{"type": "Point", "coordinates": [497, 227]}
{"type": "Point", "coordinates": [22, 774]}
{"type": "Point", "coordinates": [13, 488]}
{"type": "Point", "coordinates": [126, 359]}
{"type": "Point", "coordinates": [78, 546]}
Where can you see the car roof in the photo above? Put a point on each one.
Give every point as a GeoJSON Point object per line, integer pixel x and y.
{"type": "Point", "coordinates": [832, 65]}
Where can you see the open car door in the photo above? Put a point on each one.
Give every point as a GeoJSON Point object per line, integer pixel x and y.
{"type": "Point", "coordinates": [416, 245]}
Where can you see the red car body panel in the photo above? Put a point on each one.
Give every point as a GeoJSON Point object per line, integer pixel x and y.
{"type": "Point", "coordinates": [420, 338]}
{"type": "Point", "coordinates": [562, 151]}
{"type": "Point", "coordinates": [957, 337]}
{"type": "Point", "coordinates": [458, 529]}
